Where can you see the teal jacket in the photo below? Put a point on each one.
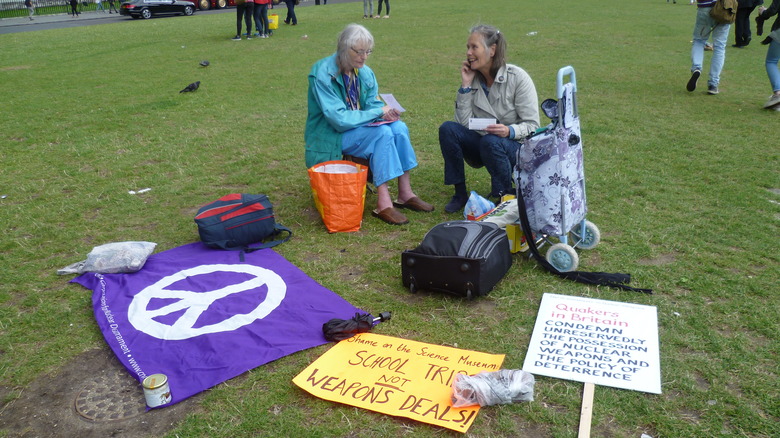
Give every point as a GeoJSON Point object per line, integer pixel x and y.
{"type": "Point", "coordinates": [329, 116]}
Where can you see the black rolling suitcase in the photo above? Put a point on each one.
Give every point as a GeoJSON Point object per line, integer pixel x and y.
{"type": "Point", "coordinates": [463, 258]}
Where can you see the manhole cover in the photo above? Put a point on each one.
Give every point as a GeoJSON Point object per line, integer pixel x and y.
{"type": "Point", "coordinates": [112, 396]}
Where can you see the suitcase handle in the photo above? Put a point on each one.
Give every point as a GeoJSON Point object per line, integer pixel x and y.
{"type": "Point", "coordinates": [568, 70]}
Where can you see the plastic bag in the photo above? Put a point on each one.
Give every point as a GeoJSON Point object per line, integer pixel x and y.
{"type": "Point", "coordinates": [113, 258]}
{"type": "Point", "coordinates": [492, 388]}
{"type": "Point", "coordinates": [476, 206]}
{"type": "Point", "coordinates": [504, 214]}
{"type": "Point", "coordinates": [339, 190]}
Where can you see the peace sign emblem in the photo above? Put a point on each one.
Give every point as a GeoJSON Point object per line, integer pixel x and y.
{"type": "Point", "coordinates": [192, 304]}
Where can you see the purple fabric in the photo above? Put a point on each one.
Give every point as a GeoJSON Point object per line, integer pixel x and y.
{"type": "Point", "coordinates": [552, 177]}
{"type": "Point", "coordinates": [201, 316]}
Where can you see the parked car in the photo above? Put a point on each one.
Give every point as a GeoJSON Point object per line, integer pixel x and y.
{"type": "Point", "coordinates": [149, 8]}
{"type": "Point", "coordinates": [214, 4]}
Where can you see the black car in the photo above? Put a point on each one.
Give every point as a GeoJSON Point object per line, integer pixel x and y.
{"type": "Point", "coordinates": [148, 8]}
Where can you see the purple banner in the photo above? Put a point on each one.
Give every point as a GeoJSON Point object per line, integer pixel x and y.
{"type": "Point", "coordinates": [201, 316]}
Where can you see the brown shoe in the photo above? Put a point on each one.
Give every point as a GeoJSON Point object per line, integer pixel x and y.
{"type": "Point", "coordinates": [414, 204]}
{"type": "Point", "coordinates": [391, 216]}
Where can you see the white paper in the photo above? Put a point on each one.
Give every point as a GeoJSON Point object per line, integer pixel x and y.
{"type": "Point", "coordinates": [476, 124]}
{"type": "Point", "coordinates": [392, 103]}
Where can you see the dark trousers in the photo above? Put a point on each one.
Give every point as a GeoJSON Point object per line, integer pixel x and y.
{"type": "Point", "coordinates": [291, 18]}
{"type": "Point", "coordinates": [244, 12]}
{"type": "Point", "coordinates": [742, 34]}
{"type": "Point", "coordinates": [498, 154]}
{"type": "Point", "coordinates": [379, 7]}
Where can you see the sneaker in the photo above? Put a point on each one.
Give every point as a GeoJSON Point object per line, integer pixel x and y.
{"type": "Point", "coordinates": [456, 204]}
{"type": "Point", "coordinates": [386, 16]}
{"type": "Point", "coordinates": [712, 89]}
{"type": "Point", "coordinates": [236, 38]}
{"type": "Point", "coordinates": [708, 47]}
{"type": "Point", "coordinates": [773, 102]}
{"type": "Point", "coordinates": [249, 37]}
{"type": "Point", "coordinates": [692, 81]}
{"type": "Point", "coordinates": [377, 16]}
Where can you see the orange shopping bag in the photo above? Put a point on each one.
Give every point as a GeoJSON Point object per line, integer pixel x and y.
{"type": "Point", "coordinates": [339, 190]}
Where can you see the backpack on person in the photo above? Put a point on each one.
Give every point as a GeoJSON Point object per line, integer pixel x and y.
{"type": "Point", "coordinates": [724, 11]}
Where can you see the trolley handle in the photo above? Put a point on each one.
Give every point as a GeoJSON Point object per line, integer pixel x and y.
{"type": "Point", "coordinates": [568, 70]}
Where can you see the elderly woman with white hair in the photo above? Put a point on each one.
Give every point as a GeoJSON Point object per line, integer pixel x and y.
{"type": "Point", "coordinates": [346, 117]}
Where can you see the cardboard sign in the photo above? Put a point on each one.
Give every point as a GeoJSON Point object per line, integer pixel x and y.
{"type": "Point", "coordinates": [596, 341]}
{"type": "Point", "coordinates": [397, 377]}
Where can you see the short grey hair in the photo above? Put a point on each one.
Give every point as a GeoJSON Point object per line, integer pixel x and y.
{"type": "Point", "coordinates": [352, 35]}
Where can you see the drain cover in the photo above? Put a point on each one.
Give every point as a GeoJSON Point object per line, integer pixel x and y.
{"type": "Point", "coordinates": [112, 396]}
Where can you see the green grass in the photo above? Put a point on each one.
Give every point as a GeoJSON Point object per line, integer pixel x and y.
{"type": "Point", "coordinates": [683, 186]}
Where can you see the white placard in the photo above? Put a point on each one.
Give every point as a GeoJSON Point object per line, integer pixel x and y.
{"type": "Point", "coordinates": [603, 342]}
{"type": "Point", "coordinates": [476, 124]}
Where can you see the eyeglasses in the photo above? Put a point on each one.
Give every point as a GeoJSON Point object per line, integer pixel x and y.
{"type": "Point", "coordinates": [361, 52]}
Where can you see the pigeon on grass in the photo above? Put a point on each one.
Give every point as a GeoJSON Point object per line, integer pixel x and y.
{"type": "Point", "coordinates": [191, 87]}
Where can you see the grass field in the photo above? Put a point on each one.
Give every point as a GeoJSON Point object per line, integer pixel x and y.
{"type": "Point", "coordinates": [684, 187]}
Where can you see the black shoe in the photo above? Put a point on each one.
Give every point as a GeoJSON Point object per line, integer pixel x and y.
{"type": "Point", "coordinates": [692, 81]}
{"type": "Point", "coordinates": [456, 204]}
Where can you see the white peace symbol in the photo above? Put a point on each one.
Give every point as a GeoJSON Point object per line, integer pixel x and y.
{"type": "Point", "coordinates": [195, 303]}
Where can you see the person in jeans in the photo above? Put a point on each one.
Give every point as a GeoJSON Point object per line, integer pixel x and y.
{"type": "Point", "coordinates": [368, 8]}
{"type": "Point", "coordinates": [490, 89]}
{"type": "Point", "coordinates": [291, 18]}
{"type": "Point", "coordinates": [30, 8]}
{"type": "Point", "coordinates": [261, 18]}
{"type": "Point", "coordinates": [244, 10]}
{"type": "Point", "coordinates": [346, 117]}
{"type": "Point", "coordinates": [706, 25]}
{"type": "Point", "coordinates": [773, 52]}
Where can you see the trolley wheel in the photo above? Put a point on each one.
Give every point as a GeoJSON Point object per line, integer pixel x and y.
{"type": "Point", "coordinates": [591, 238]}
{"type": "Point", "coordinates": [563, 257]}
{"type": "Point", "coordinates": [469, 295]}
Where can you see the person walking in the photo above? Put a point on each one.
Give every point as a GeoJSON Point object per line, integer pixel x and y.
{"type": "Point", "coordinates": [99, 6]}
{"type": "Point", "coordinates": [742, 33]}
{"type": "Point", "coordinates": [74, 8]}
{"type": "Point", "coordinates": [773, 52]}
{"type": "Point", "coordinates": [706, 25]}
{"type": "Point", "coordinates": [30, 8]}
{"type": "Point", "coordinates": [111, 7]}
{"type": "Point", "coordinates": [291, 18]}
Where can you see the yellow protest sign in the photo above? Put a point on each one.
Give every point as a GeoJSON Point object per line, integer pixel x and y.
{"type": "Point", "coordinates": [397, 377]}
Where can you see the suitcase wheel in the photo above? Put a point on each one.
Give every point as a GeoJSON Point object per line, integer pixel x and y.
{"type": "Point", "coordinates": [469, 295]}
{"type": "Point", "coordinates": [412, 285]}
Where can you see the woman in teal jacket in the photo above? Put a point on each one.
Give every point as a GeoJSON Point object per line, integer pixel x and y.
{"type": "Point", "coordinates": [346, 117]}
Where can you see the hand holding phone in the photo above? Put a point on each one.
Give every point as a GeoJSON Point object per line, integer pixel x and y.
{"type": "Point", "coordinates": [467, 74]}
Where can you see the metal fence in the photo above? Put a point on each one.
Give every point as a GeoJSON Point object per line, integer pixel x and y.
{"type": "Point", "coordinates": [16, 8]}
